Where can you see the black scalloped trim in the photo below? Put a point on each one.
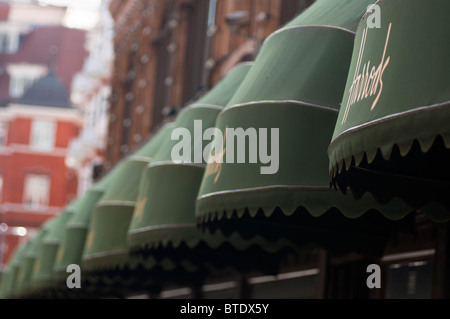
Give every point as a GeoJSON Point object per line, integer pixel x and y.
{"type": "Point", "coordinates": [417, 178]}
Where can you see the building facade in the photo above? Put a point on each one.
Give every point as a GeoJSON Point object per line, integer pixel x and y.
{"type": "Point", "coordinates": [38, 60]}
{"type": "Point", "coordinates": [91, 89]}
{"type": "Point", "coordinates": [168, 53]}
{"type": "Point", "coordinates": [36, 182]}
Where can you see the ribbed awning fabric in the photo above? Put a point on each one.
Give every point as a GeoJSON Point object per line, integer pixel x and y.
{"type": "Point", "coordinates": [21, 268]}
{"type": "Point", "coordinates": [10, 277]}
{"type": "Point", "coordinates": [57, 244]}
{"type": "Point", "coordinates": [295, 86]}
{"type": "Point", "coordinates": [43, 277]}
{"type": "Point", "coordinates": [107, 264]}
{"type": "Point", "coordinates": [165, 214]}
{"type": "Point", "coordinates": [164, 222]}
{"type": "Point", "coordinates": [392, 136]}
{"type": "Point", "coordinates": [75, 232]}
{"type": "Point", "coordinates": [106, 255]}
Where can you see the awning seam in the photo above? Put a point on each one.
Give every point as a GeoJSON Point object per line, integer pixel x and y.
{"type": "Point", "coordinates": [387, 118]}
{"type": "Point", "coordinates": [105, 254]}
{"type": "Point", "coordinates": [159, 227]}
{"type": "Point", "coordinates": [325, 108]}
{"type": "Point", "coordinates": [308, 26]}
{"type": "Point", "coordinates": [116, 202]}
{"type": "Point", "coordinates": [255, 189]}
{"type": "Point", "coordinates": [164, 163]}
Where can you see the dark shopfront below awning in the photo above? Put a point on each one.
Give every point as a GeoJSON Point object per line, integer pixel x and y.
{"type": "Point", "coordinates": [392, 137]}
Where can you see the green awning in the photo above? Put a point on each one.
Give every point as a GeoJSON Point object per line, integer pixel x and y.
{"type": "Point", "coordinates": [165, 214]}
{"type": "Point", "coordinates": [30, 257]}
{"type": "Point", "coordinates": [72, 245]}
{"type": "Point", "coordinates": [10, 277]}
{"type": "Point", "coordinates": [164, 223]}
{"type": "Point", "coordinates": [106, 252]}
{"type": "Point", "coordinates": [392, 136]}
{"type": "Point", "coordinates": [295, 86]}
{"type": "Point", "coordinates": [43, 278]}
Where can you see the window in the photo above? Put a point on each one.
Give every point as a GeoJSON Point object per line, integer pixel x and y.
{"type": "Point", "coordinates": [3, 42]}
{"type": "Point", "coordinates": [1, 187]}
{"type": "Point", "coordinates": [19, 85]}
{"type": "Point", "coordinates": [198, 42]}
{"type": "Point", "coordinates": [412, 280]}
{"type": "Point", "coordinates": [3, 133]}
{"type": "Point", "coordinates": [37, 189]}
{"type": "Point", "coordinates": [291, 8]}
{"type": "Point", "coordinates": [22, 76]}
{"type": "Point", "coordinates": [43, 135]}
{"type": "Point", "coordinates": [9, 42]}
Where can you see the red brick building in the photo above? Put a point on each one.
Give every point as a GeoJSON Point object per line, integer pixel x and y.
{"type": "Point", "coordinates": [38, 62]}
{"type": "Point", "coordinates": [35, 183]}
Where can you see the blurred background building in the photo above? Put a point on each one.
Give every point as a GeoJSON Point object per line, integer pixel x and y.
{"type": "Point", "coordinates": [90, 93]}
{"type": "Point", "coordinates": [39, 58]}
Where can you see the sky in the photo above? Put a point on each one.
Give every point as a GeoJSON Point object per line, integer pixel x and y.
{"type": "Point", "coordinates": [80, 13]}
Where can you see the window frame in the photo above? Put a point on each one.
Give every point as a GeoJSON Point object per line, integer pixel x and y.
{"type": "Point", "coordinates": [4, 126]}
{"type": "Point", "coordinates": [38, 135]}
{"type": "Point", "coordinates": [27, 192]}
{"type": "Point", "coordinates": [2, 181]}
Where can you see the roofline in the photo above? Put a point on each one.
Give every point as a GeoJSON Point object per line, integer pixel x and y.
{"type": "Point", "coordinates": [16, 109]}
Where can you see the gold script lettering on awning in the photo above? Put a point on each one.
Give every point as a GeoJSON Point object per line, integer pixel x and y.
{"type": "Point", "coordinates": [365, 84]}
{"type": "Point", "coordinates": [90, 238]}
{"type": "Point", "coordinates": [139, 210]}
{"type": "Point", "coordinates": [215, 167]}
{"type": "Point", "coordinates": [140, 205]}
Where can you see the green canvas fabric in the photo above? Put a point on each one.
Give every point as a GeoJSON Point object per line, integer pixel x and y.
{"type": "Point", "coordinates": [106, 245]}
{"type": "Point", "coordinates": [11, 276]}
{"type": "Point", "coordinates": [43, 277]}
{"type": "Point", "coordinates": [26, 261]}
{"type": "Point", "coordinates": [343, 14]}
{"type": "Point", "coordinates": [404, 114]}
{"type": "Point", "coordinates": [76, 229]}
{"type": "Point", "coordinates": [165, 214]}
{"type": "Point", "coordinates": [295, 85]}
{"type": "Point", "coordinates": [164, 224]}
{"type": "Point", "coordinates": [220, 94]}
